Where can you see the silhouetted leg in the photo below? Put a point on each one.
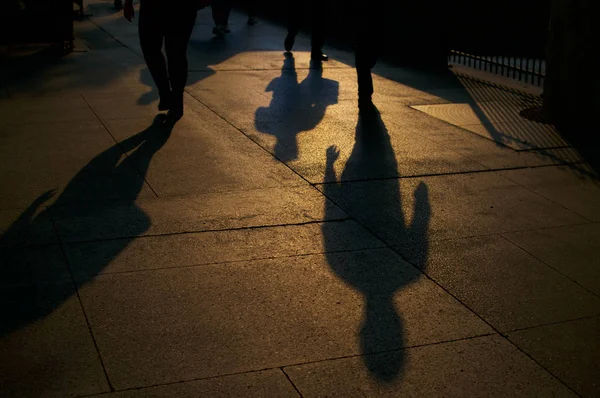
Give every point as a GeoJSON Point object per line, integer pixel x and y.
{"type": "Point", "coordinates": [293, 24]}
{"type": "Point", "coordinates": [176, 42]}
{"type": "Point", "coordinates": [317, 14]}
{"type": "Point", "coordinates": [366, 58]}
{"type": "Point", "coordinates": [220, 13]}
{"type": "Point", "coordinates": [151, 30]}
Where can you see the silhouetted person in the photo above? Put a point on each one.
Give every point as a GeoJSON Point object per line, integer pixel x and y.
{"type": "Point", "coordinates": [368, 45]}
{"type": "Point", "coordinates": [221, 9]}
{"type": "Point", "coordinates": [170, 22]}
{"type": "Point", "coordinates": [295, 107]}
{"type": "Point", "coordinates": [296, 12]}
{"type": "Point", "coordinates": [377, 274]}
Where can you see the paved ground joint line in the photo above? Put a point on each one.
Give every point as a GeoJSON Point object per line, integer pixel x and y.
{"type": "Point", "coordinates": [85, 316]}
{"type": "Point", "coordinates": [287, 376]}
{"type": "Point", "coordinates": [548, 265]}
{"type": "Point", "coordinates": [119, 145]}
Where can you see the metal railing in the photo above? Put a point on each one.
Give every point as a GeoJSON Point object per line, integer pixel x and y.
{"type": "Point", "coordinates": [526, 70]}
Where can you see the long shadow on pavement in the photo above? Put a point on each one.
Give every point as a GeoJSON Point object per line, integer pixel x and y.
{"type": "Point", "coordinates": [295, 107]}
{"type": "Point", "coordinates": [378, 279]}
{"type": "Point", "coordinates": [27, 299]}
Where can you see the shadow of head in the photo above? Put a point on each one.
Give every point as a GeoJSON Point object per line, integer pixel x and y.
{"type": "Point", "coordinates": [379, 275]}
{"type": "Point", "coordinates": [295, 107]}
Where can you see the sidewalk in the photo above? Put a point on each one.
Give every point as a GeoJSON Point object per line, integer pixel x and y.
{"type": "Point", "coordinates": [274, 244]}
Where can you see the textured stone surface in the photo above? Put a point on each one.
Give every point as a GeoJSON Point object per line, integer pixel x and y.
{"type": "Point", "coordinates": [213, 320]}
{"type": "Point", "coordinates": [182, 250]}
{"type": "Point", "coordinates": [270, 383]}
{"type": "Point", "coordinates": [505, 285]}
{"type": "Point", "coordinates": [45, 344]}
{"type": "Point", "coordinates": [487, 366]}
{"type": "Point", "coordinates": [570, 351]}
{"type": "Point", "coordinates": [572, 251]}
{"type": "Point", "coordinates": [441, 207]}
{"type": "Point", "coordinates": [575, 187]}
{"type": "Point", "coordinates": [266, 207]}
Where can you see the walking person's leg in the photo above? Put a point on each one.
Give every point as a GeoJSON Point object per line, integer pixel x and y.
{"type": "Point", "coordinates": [293, 26]}
{"type": "Point", "coordinates": [177, 38]}
{"type": "Point", "coordinates": [152, 31]}
{"type": "Point", "coordinates": [251, 9]}
{"type": "Point", "coordinates": [220, 13]}
{"type": "Point", "coordinates": [317, 17]}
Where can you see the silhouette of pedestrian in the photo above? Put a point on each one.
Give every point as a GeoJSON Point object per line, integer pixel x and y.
{"type": "Point", "coordinates": [221, 9]}
{"type": "Point", "coordinates": [368, 45]}
{"type": "Point", "coordinates": [172, 23]}
{"type": "Point", "coordinates": [316, 9]}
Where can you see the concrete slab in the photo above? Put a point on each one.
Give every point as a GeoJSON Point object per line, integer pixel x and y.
{"type": "Point", "coordinates": [26, 227]}
{"type": "Point", "coordinates": [44, 110]}
{"type": "Point", "coordinates": [80, 161]}
{"type": "Point", "coordinates": [497, 121]}
{"type": "Point", "coordinates": [241, 209]}
{"type": "Point", "coordinates": [46, 346]}
{"type": "Point", "coordinates": [205, 154]}
{"type": "Point", "coordinates": [30, 264]}
{"type": "Point", "coordinates": [269, 383]}
{"type": "Point", "coordinates": [506, 286]}
{"type": "Point", "coordinates": [571, 251]}
{"type": "Point", "coordinates": [185, 250]}
{"type": "Point", "coordinates": [212, 320]}
{"type": "Point", "coordinates": [570, 351]}
{"type": "Point", "coordinates": [577, 189]}
{"type": "Point", "coordinates": [486, 366]}
{"type": "Point", "coordinates": [442, 207]}
{"type": "Point", "coordinates": [404, 153]}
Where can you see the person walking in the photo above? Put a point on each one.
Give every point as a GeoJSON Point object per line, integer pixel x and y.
{"type": "Point", "coordinates": [367, 47]}
{"type": "Point", "coordinates": [316, 10]}
{"type": "Point", "coordinates": [171, 23]}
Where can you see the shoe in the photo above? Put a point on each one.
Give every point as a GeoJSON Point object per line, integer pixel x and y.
{"type": "Point", "coordinates": [218, 31]}
{"type": "Point", "coordinates": [319, 56]}
{"type": "Point", "coordinates": [164, 103]}
{"type": "Point", "coordinates": [252, 21]}
{"type": "Point", "coordinates": [289, 42]}
{"type": "Point", "coordinates": [226, 28]}
{"type": "Point", "coordinates": [176, 110]}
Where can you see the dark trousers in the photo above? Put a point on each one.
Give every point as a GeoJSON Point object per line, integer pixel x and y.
{"type": "Point", "coordinates": [171, 25]}
{"type": "Point", "coordinates": [368, 43]}
{"type": "Point", "coordinates": [220, 11]}
{"type": "Point", "coordinates": [316, 11]}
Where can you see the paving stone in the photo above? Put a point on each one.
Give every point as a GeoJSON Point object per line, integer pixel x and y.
{"type": "Point", "coordinates": [570, 351]}
{"type": "Point", "coordinates": [507, 287]}
{"type": "Point", "coordinates": [46, 346]}
{"type": "Point", "coordinates": [242, 209]}
{"type": "Point", "coordinates": [200, 322]}
{"type": "Point", "coordinates": [204, 154]}
{"type": "Point", "coordinates": [575, 187]}
{"type": "Point", "coordinates": [442, 207]}
{"type": "Point", "coordinates": [20, 264]}
{"type": "Point", "coordinates": [44, 110]}
{"type": "Point", "coordinates": [486, 367]}
{"type": "Point", "coordinates": [125, 255]}
{"type": "Point", "coordinates": [570, 250]}
{"type": "Point", "coordinates": [360, 141]}
{"type": "Point", "coordinates": [269, 383]}
{"type": "Point", "coordinates": [32, 226]}
{"type": "Point", "coordinates": [78, 161]}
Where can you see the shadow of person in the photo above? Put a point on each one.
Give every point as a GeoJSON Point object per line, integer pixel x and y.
{"type": "Point", "coordinates": [295, 107]}
{"type": "Point", "coordinates": [377, 275]}
{"type": "Point", "coordinates": [110, 175]}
